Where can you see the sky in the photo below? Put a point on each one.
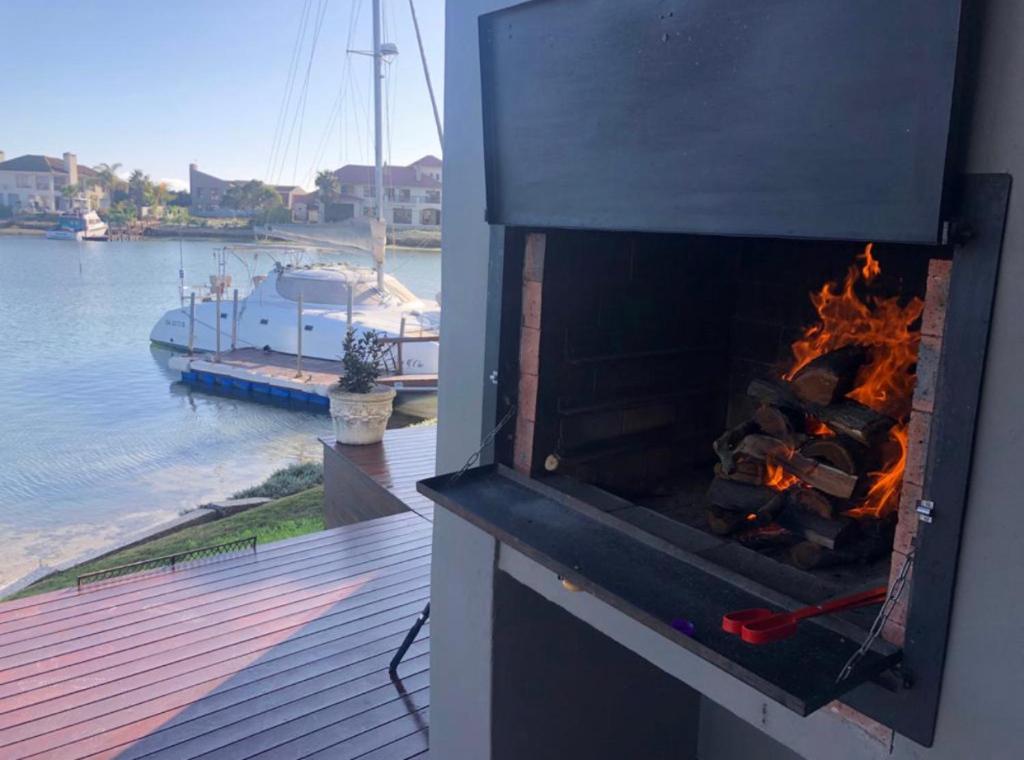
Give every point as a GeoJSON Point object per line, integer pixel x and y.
{"type": "Point", "coordinates": [157, 86]}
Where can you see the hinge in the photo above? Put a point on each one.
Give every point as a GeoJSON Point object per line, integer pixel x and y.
{"type": "Point", "coordinates": [925, 510]}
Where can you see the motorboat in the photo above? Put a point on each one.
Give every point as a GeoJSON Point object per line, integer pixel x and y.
{"type": "Point", "coordinates": [78, 225]}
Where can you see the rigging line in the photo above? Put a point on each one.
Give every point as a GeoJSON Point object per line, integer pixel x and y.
{"type": "Point", "coordinates": [426, 75]}
{"type": "Point", "coordinates": [337, 109]}
{"type": "Point", "coordinates": [300, 34]}
{"type": "Point", "coordinates": [305, 86]}
{"type": "Point", "coordinates": [321, 7]}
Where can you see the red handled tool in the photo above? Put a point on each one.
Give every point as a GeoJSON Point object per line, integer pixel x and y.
{"type": "Point", "coordinates": [761, 626]}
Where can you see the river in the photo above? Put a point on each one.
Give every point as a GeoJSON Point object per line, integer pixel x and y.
{"type": "Point", "coordinates": [99, 441]}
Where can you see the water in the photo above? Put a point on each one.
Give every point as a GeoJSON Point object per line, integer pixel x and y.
{"type": "Point", "coordinates": [99, 442]}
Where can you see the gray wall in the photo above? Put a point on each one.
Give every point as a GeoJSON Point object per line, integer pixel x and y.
{"type": "Point", "coordinates": [981, 703]}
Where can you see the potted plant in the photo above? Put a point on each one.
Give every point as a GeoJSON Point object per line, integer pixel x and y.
{"type": "Point", "coordinates": [360, 408]}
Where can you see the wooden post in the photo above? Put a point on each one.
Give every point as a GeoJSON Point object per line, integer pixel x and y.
{"type": "Point", "coordinates": [298, 343]}
{"type": "Point", "coordinates": [191, 322]}
{"type": "Point", "coordinates": [234, 320]}
{"type": "Point", "coordinates": [216, 355]}
{"type": "Point", "coordinates": [401, 339]}
{"type": "Point", "coordinates": [348, 306]}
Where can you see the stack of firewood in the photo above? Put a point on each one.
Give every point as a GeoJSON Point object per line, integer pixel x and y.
{"type": "Point", "coordinates": [787, 475]}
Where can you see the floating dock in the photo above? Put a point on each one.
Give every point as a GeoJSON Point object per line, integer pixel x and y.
{"type": "Point", "coordinates": [277, 375]}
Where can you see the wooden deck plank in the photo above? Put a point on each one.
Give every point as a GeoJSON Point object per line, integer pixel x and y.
{"type": "Point", "coordinates": [333, 648]}
{"type": "Point", "coordinates": [324, 631]}
{"type": "Point", "coordinates": [131, 624]}
{"type": "Point", "coordinates": [99, 655]}
{"type": "Point", "coordinates": [143, 584]}
{"type": "Point", "coordinates": [409, 746]}
{"type": "Point", "coordinates": [248, 655]}
{"type": "Point", "coordinates": [269, 576]}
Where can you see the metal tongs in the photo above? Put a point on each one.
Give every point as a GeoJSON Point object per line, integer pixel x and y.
{"type": "Point", "coordinates": [762, 626]}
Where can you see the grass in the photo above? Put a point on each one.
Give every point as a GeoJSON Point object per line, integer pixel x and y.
{"type": "Point", "coordinates": [286, 517]}
{"type": "Point", "coordinates": [284, 482]}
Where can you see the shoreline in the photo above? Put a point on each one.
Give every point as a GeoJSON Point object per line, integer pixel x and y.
{"type": "Point", "coordinates": [204, 234]}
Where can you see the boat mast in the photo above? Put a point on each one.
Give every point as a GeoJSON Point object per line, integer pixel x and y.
{"type": "Point", "coordinates": [378, 181]}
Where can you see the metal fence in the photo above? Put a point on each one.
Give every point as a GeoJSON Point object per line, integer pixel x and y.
{"type": "Point", "coordinates": [170, 560]}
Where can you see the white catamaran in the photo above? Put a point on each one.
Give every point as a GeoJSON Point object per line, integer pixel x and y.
{"type": "Point", "coordinates": [332, 298]}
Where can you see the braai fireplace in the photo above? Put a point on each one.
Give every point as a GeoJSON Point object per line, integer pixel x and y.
{"type": "Point", "coordinates": [744, 373]}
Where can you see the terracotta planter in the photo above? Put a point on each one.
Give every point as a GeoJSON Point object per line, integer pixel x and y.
{"type": "Point", "coordinates": [361, 418]}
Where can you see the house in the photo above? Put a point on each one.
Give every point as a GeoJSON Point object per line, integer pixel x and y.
{"type": "Point", "coordinates": [34, 183]}
{"type": "Point", "coordinates": [412, 195]}
{"type": "Point", "coordinates": [207, 191]}
{"type": "Point", "coordinates": [560, 607]}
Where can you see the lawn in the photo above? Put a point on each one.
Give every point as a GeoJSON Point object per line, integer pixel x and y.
{"type": "Point", "coordinates": [286, 517]}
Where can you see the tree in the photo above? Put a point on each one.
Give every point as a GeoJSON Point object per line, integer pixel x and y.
{"type": "Point", "coordinates": [140, 189]}
{"type": "Point", "coordinates": [250, 196]}
{"type": "Point", "coordinates": [160, 193]}
{"type": "Point", "coordinates": [329, 186]}
{"type": "Point", "coordinates": [69, 192]}
{"type": "Point", "coordinates": [108, 178]}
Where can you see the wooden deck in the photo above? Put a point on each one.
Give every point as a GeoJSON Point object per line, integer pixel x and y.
{"type": "Point", "coordinates": [370, 481]}
{"type": "Point", "coordinates": [279, 655]}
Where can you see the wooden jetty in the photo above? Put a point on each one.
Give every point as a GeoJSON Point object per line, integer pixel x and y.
{"type": "Point", "coordinates": [273, 374]}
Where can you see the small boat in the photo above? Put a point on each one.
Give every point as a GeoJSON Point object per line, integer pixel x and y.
{"type": "Point", "coordinates": [78, 225]}
{"type": "Point", "coordinates": [333, 297]}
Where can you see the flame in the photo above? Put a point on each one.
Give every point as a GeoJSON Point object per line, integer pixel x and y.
{"type": "Point", "coordinates": [886, 381]}
{"type": "Point", "coordinates": [776, 478]}
{"type": "Point", "coordinates": [882, 325]}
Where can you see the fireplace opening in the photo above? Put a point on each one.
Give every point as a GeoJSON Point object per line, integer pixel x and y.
{"type": "Point", "coordinates": [775, 394]}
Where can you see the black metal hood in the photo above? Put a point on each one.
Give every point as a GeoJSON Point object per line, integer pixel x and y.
{"type": "Point", "coordinates": [784, 118]}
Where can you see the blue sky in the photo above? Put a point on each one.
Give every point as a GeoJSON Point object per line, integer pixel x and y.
{"type": "Point", "coordinates": [157, 85]}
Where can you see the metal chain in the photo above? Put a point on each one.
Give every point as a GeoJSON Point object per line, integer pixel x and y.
{"type": "Point", "coordinates": [895, 592]}
{"type": "Point", "coordinates": [487, 440]}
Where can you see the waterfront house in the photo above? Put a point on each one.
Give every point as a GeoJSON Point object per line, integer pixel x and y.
{"type": "Point", "coordinates": [207, 192]}
{"type": "Point", "coordinates": [412, 195]}
{"type": "Point", "coordinates": [34, 182]}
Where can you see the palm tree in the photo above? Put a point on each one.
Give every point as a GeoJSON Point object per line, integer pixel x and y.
{"type": "Point", "coordinates": [69, 192]}
{"type": "Point", "coordinates": [108, 178]}
{"type": "Point", "coordinates": [328, 185]}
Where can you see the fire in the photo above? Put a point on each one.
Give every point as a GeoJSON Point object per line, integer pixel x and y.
{"type": "Point", "coordinates": [886, 381]}
{"type": "Point", "coordinates": [778, 479]}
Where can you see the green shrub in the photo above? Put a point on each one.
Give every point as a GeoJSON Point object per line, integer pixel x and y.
{"type": "Point", "coordinates": [285, 482]}
{"type": "Point", "coordinates": [362, 361]}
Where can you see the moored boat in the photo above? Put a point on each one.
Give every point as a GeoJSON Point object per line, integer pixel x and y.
{"type": "Point", "coordinates": [78, 225]}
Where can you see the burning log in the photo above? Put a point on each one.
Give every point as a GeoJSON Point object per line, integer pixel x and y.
{"type": "Point", "coordinates": [779, 423]}
{"type": "Point", "coordinates": [739, 497]}
{"type": "Point", "coordinates": [846, 417]}
{"type": "Point", "coordinates": [722, 522]}
{"type": "Point", "coordinates": [749, 471]}
{"type": "Point", "coordinates": [834, 452]}
{"type": "Point", "coordinates": [813, 501]}
{"type": "Point", "coordinates": [821, 476]}
{"type": "Point", "coordinates": [808, 555]}
{"type": "Point", "coordinates": [829, 377]}
{"type": "Point", "coordinates": [830, 533]}
{"type": "Point", "coordinates": [726, 443]}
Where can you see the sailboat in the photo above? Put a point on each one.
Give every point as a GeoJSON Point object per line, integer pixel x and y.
{"type": "Point", "coordinates": [333, 298]}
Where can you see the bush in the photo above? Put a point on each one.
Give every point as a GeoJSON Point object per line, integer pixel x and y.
{"type": "Point", "coordinates": [285, 482]}
{"type": "Point", "coordinates": [362, 361]}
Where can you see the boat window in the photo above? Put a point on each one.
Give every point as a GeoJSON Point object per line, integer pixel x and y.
{"type": "Point", "coordinates": [333, 291]}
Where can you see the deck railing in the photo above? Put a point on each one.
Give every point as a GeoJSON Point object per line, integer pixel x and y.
{"type": "Point", "coordinates": [171, 560]}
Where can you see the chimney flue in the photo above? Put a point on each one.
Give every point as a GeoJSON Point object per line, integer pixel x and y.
{"type": "Point", "coordinates": [71, 167]}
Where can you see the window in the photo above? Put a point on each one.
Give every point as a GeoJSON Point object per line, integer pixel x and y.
{"type": "Point", "coordinates": [430, 217]}
{"type": "Point", "coordinates": [13, 200]}
{"type": "Point", "coordinates": [42, 182]}
{"type": "Point", "coordinates": [433, 196]}
{"type": "Point", "coordinates": [345, 190]}
{"type": "Point", "coordinates": [404, 195]}
{"type": "Point", "coordinates": [402, 216]}
{"type": "Point", "coordinates": [367, 191]}
{"type": "Point", "coordinates": [389, 193]}
{"type": "Point", "coordinates": [22, 180]}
